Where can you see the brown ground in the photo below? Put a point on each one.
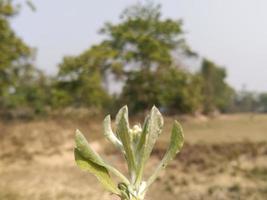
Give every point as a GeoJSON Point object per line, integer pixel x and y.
{"type": "Point", "coordinates": [223, 158]}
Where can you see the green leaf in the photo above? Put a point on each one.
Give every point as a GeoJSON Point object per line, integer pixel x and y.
{"type": "Point", "coordinates": [143, 135]}
{"type": "Point", "coordinates": [92, 158]}
{"type": "Point", "coordinates": [99, 171]}
{"type": "Point", "coordinates": [86, 151]}
{"type": "Point", "coordinates": [110, 135]}
{"type": "Point", "coordinates": [151, 131]}
{"type": "Point", "coordinates": [176, 143]}
{"type": "Point", "coordinates": [123, 132]}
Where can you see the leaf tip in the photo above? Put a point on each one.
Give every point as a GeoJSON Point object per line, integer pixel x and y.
{"type": "Point", "coordinates": [156, 113]}
{"type": "Point", "coordinates": [124, 109]}
{"type": "Point", "coordinates": [155, 108]}
{"type": "Point", "coordinates": [107, 119]}
{"type": "Point", "coordinates": [78, 133]}
{"type": "Point", "coordinates": [180, 133]}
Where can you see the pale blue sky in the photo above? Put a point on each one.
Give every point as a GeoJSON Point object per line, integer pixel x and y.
{"type": "Point", "coordinates": [233, 33]}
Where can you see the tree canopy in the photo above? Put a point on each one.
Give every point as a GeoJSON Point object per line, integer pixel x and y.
{"type": "Point", "coordinates": [13, 51]}
{"type": "Point", "coordinates": [21, 83]}
{"type": "Point", "coordinates": [217, 93]}
{"type": "Point", "coordinates": [136, 51]}
{"type": "Point", "coordinates": [143, 40]}
{"type": "Point", "coordinates": [142, 53]}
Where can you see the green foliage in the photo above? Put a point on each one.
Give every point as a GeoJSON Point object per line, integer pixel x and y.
{"type": "Point", "coordinates": [172, 89]}
{"type": "Point", "coordinates": [60, 98]}
{"type": "Point", "coordinates": [13, 51]}
{"type": "Point", "coordinates": [80, 80]}
{"type": "Point", "coordinates": [246, 101]}
{"type": "Point", "coordinates": [143, 40]}
{"type": "Point", "coordinates": [89, 160]}
{"type": "Point", "coordinates": [140, 42]}
{"type": "Point", "coordinates": [136, 145]}
{"type": "Point", "coordinates": [181, 91]}
{"type": "Point", "coordinates": [249, 101]}
{"type": "Point", "coordinates": [217, 93]}
{"type": "Point", "coordinates": [140, 52]}
{"type": "Point", "coordinates": [145, 43]}
{"type": "Point", "coordinates": [21, 85]}
{"type": "Point", "coordinates": [175, 146]}
{"type": "Point", "coordinates": [151, 131]}
{"type": "Point", "coordinates": [141, 91]}
{"type": "Point", "coordinates": [263, 102]}
{"type": "Point", "coordinates": [29, 90]}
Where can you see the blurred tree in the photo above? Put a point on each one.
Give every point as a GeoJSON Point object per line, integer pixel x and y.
{"type": "Point", "coordinates": [263, 102]}
{"type": "Point", "coordinates": [181, 91]}
{"type": "Point", "coordinates": [13, 51]}
{"type": "Point", "coordinates": [143, 40]}
{"type": "Point", "coordinates": [80, 79]}
{"type": "Point", "coordinates": [246, 101]}
{"type": "Point", "coordinates": [173, 90]}
{"type": "Point", "coordinates": [218, 95]}
{"type": "Point", "coordinates": [249, 101]}
{"type": "Point", "coordinates": [141, 91]}
{"type": "Point", "coordinates": [21, 84]}
{"type": "Point", "coordinates": [145, 44]}
{"type": "Point", "coordinates": [29, 90]}
{"type": "Point", "coordinates": [141, 51]}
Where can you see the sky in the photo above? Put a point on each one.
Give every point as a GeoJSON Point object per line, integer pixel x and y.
{"type": "Point", "coordinates": [232, 33]}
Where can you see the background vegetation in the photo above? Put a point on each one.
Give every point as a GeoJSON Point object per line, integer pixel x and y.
{"type": "Point", "coordinates": [142, 56]}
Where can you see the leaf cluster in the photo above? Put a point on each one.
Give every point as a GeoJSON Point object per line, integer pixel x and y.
{"type": "Point", "coordinates": [136, 145]}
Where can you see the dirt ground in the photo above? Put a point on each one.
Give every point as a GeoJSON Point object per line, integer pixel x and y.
{"type": "Point", "coordinates": [223, 158]}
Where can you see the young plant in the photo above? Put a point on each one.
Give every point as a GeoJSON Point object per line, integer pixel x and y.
{"type": "Point", "coordinates": [136, 145]}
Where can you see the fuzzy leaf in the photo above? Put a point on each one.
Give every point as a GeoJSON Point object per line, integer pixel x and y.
{"type": "Point", "coordinates": [176, 143]}
{"type": "Point", "coordinates": [143, 135]}
{"type": "Point", "coordinates": [151, 131]}
{"type": "Point", "coordinates": [86, 151]}
{"type": "Point", "coordinates": [122, 125]}
{"type": "Point", "coordinates": [110, 135]}
{"type": "Point", "coordinates": [90, 156]}
{"type": "Point", "coordinates": [98, 170]}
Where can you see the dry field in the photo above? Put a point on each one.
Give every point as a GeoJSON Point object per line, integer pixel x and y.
{"type": "Point", "coordinates": [223, 158]}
